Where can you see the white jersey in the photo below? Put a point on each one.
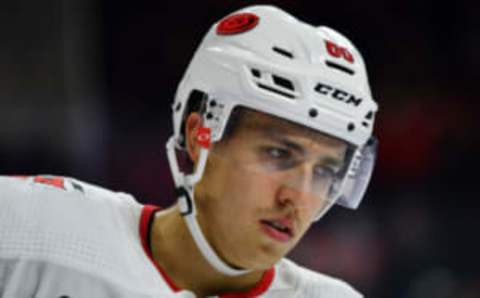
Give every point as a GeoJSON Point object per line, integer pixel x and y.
{"type": "Point", "coordinates": [62, 238]}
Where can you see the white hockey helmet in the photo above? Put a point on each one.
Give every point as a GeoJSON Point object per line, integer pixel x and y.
{"type": "Point", "coordinates": [263, 59]}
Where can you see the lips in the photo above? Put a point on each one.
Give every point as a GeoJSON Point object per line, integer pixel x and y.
{"type": "Point", "coordinates": [278, 229]}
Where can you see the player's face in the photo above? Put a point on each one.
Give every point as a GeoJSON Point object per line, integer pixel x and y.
{"type": "Point", "coordinates": [263, 186]}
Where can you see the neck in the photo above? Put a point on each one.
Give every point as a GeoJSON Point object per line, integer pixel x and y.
{"type": "Point", "coordinates": [174, 250]}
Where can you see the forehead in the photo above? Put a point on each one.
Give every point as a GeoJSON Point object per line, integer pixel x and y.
{"type": "Point", "coordinates": [257, 124]}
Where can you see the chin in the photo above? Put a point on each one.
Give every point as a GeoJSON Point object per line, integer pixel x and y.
{"type": "Point", "coordinates": [268, 256]}
{"type": "Point", "coordinates": [259, 260]}
{"type": "Point", "coordinates": [261, 255]}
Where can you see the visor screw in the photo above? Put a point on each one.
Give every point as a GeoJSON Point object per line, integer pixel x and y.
{"type": "Point", "coordinates": [209, 116]}
{"type": "Point", "coordinates": [351, 127]}
{"type": "Point", "coordinates": [213, 103]}
{"type": "Point", "coordinates": [313, 113]}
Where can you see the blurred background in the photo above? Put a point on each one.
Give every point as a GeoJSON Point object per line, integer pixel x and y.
{"type": "Point", "coordinates": [86, 88]}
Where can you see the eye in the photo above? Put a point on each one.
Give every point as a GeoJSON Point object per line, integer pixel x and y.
{"type": "Point", "coordinates": [325, 172]}
{"type": "Point", "coordinates": [276, 158]}
{"type": "Point", "coordinates": [278, 153]}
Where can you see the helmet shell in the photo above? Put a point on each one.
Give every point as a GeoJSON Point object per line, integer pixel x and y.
{"type": "Point", "coordinates": [313, 76]}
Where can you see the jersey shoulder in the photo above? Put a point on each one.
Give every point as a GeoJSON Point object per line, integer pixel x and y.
{"type": "Point", "coordinates": [308, 283]}
{"type": "Point", "coordinates": [44, 186]}
{"type": "Point", "coordinates": [62, 207]}
{"type": "Point", "coordinates": [52, 196]}
{"type": "Point", "coordinates": [55, 205]}
{"type": "Point", "coordinates": [60, 221]}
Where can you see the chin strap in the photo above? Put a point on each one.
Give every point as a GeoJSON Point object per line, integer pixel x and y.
{"type": "Point", "coordinates": [186, 203]}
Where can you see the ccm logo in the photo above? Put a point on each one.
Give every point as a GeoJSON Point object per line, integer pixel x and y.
{"type": "Point", "coordinates": [338, 52]}
{"type": "Point", "coordinates": [338, 94]}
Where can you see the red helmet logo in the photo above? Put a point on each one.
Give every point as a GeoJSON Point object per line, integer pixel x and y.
{"type": "Point", "coordinates": [237, 23]}
{"type": "Point", "coordinates": [338, 52]}
{"type": "Point", "coordinates": [204, 137]}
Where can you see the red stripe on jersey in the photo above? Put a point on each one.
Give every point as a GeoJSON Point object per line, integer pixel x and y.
{"type": "Point", "coordinates": [145, 224]}
{"type": "Point", "coordinates": [260, 288]}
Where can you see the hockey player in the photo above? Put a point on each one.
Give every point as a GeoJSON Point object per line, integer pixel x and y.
{"type": "Point", "coordinates": [272, 126]}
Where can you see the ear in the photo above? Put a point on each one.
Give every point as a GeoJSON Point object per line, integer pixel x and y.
{"type": "Point", "coordinates": [192, 124]}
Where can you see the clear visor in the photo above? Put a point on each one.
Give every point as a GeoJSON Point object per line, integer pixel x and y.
{"type": "Point", "coordinates": [292, 162]}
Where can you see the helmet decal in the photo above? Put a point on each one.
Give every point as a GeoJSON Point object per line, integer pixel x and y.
{"type": "Point", "coordinates": [203, 137]}
{"type": "Point", "coordinates": [336, 51]}
{"type": "Point", "coordinates": [237, 23]}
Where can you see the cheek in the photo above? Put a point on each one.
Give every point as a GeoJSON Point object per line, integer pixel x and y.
{"type": "Point", "coordinates": [260, 191]}
{"type": "Point", "coordinates": [308, 215]}
{"type": "Point", "coordinates": [248, 202]}
{"type": "Point", "coordinates": [243, 199]}
{"type": "Point", "coordinates": [228, 194]}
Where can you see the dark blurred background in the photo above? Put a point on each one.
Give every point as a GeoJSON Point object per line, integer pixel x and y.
{"type": "Point", "coordinates": [86, 88]}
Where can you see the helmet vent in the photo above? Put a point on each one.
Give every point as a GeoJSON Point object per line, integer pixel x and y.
{"type": "Point", "coordinates": [283, 82]}
{"type": "Point", "coordinates": [255, 73]}
{"type": "Point", "coordinates": [273, 83]}
{"type": "Point", "coordinates": [274, 90]}
{"type": "Point", "coordinates": [283, 52]}
{"type": "Point", "coordinates": [369, 116]}
{"type": "Point", "coordinates": [340, 67]}
{"type": "Point", "coordinates": [368, 119]}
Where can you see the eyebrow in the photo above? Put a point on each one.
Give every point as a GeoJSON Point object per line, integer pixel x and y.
{"type": "Point", "coordinates": [290, 145]}
{"type": "Point", "coordinates": [332, 161]}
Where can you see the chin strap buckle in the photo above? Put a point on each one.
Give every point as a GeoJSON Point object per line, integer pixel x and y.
{"type": "Point", "coordinates": [184, 201]}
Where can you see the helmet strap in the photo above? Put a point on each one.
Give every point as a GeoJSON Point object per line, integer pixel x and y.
{"type": "Point", "coordinates": [186, 202]}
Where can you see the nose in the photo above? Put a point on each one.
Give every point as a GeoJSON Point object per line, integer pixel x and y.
{"type": "Point", "coordinates": [296, 188]}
